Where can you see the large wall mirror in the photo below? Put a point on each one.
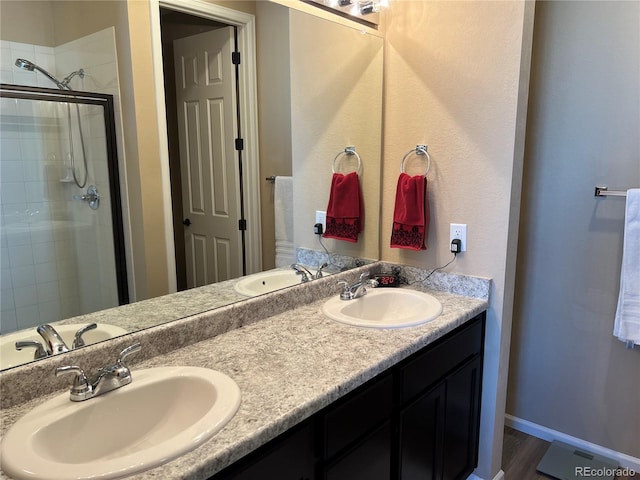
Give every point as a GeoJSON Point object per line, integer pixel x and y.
{"type": "Point", "coordinates": [319, 90]}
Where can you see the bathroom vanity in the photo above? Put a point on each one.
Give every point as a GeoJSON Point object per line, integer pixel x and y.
{"type": "Point", "coordinates": [417, 420]}
{"type": "Point", "coordinates": [320, 399]}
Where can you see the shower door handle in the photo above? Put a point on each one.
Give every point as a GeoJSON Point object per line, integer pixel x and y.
{"type": "Point", "coordinates": [186, 222]}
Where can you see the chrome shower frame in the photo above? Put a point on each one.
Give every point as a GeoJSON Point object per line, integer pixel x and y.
{"type": "Point", "coordinates": [106, 102]}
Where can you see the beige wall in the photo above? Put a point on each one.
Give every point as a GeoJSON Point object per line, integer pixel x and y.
{"type": "Point", "coordinates": [243, 6]}
{"type": "Point", "coordinates": [27, 22]}
{"type": "Point", "coordinates": [453, 81]}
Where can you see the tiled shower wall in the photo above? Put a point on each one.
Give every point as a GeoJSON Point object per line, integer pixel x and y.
{"type": "Point", "coordinates": [49, 270]}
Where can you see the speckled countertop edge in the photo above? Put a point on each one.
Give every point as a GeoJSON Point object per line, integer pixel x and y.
{"type": "Point", "coordinates": [326, 359]}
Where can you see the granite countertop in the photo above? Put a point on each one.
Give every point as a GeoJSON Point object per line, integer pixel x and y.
{"type": "Point", "coordinates": [155, 311]}
{"type": "Point", "coordinates": [288, 367]}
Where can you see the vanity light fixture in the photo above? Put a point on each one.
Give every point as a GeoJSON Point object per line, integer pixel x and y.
{"type": "Point", "coordinates": [372, 6]}
{"type": "Point", "coordinates": [365, 11]}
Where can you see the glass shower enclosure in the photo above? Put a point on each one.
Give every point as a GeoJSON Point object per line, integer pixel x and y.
{"type": "Point", "coordinates": [63, 249]}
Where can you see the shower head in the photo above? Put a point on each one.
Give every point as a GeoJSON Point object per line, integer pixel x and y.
{"type": "Point", "coordinates": [30, 66]}
{"type": "Point", "coordinates": [25, 64]}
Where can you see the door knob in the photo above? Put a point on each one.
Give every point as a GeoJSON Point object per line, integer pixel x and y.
{"type": "Point", "coordinates": [186, 222]}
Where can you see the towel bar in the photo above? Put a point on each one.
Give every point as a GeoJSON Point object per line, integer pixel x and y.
{"type": "Point", "coordinates": [271, 179]}
{"type": "Point", "coordinates": [605, 192]}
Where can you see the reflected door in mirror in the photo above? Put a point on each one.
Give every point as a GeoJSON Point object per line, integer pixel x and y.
{"type": "Point", "coordinates": [205, 90]}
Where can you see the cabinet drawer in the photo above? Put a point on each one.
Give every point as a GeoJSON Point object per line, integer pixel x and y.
{"type": "Point", "coordinates": [362, 412]}
{"type": "Point", "coordinates": [427, 368]}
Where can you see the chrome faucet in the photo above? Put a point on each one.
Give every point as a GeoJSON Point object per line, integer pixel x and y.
{"type": "Point", "coordinates": [108, 378]}
{"type": "Point", "coordinates": [302, 271]}
{"type": "Point", "coordinates": [306, 274]}
{"type": "Point", "coordinates": [53, 342]}
{"type": "Point", "coordinates": [358, 289]}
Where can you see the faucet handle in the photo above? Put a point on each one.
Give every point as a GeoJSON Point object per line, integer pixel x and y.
{"type": "Point", "coordinates": [78, 341]}
{"type": "Point", "coordinates": [136, 347]}
{"type": "Point", "coordinates": [40, 351]}
{"type": "Point", "coordinates": [319, 271]}
{"type": "Point", "coordinates": [345, 294]}
{"type": "Point", "coordinates": [81, 386]}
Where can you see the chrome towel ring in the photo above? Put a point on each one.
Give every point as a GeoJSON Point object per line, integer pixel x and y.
{"type": "Point", "coordinates": [419, 150]}
{"type": "Point", "coordinates": [347, 151]}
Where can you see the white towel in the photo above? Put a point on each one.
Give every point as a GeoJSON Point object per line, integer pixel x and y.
{"type": "Point", "coordinates": [627, 323]}
{"type": "Point", "coordinates": [283, 216]}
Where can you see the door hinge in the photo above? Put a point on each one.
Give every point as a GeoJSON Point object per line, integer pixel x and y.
{"type": "Point", "coordinates": [235, 58]}
{"type": "Point", "coordinates": [242, 224]}
{"type": "Point", "coordinates": [239, 144]}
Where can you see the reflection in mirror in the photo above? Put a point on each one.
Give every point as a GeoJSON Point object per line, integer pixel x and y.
{"type": "Point", "coordinates": [313, 103]}
{"type": "Point", "coordinates": [62, 237]}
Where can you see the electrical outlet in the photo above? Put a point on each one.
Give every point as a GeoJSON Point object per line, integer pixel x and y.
{"type": "Point", "coordinates": [321, 217]}
{"type": "Point", "coordinates": [459, 231]}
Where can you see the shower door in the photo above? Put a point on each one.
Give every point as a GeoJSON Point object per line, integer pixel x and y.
{"type": "Point", "coordinates": [61, 221]}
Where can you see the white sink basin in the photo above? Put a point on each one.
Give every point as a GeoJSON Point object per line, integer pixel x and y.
{"type": "Point", "coordinates": [10, 357]}
{"type": "Point", "coordinates": [385, 308]}
{"type": "Point", "coordinates": [164, 413]}
{"type": "Point", "coordinates": [266, 282]}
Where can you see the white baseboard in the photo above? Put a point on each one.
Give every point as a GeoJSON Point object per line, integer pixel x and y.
{"type": "Point", "coordinates": [499, 476]}
{"type": "Point", "coordinates": [624, 460]}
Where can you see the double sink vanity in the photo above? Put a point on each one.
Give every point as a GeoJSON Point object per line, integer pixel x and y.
{"type": "Point", "coordinates": [296, 383]}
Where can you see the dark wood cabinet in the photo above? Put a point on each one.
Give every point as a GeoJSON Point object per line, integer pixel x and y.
{"type": "Point", "coordinates": [419, 420]}
{"type": "Point", "coordinates": [439, 430]}
{"type": "Point", "coordinates": [370, 459]}
{"type": "Point", "coordinates": [440, 412]}
{"type": "Point", "coordinates": [357, 415]}
{"type": "Point", "coordinates": [420, 430]}
{"type": "Point", "coordinates": [288, 457]}
{"type": "Point", "coordinates": [462, 419]}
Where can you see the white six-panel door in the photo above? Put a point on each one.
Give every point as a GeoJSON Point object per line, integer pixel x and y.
{"type": "Point", "coordinates": [205, 89]}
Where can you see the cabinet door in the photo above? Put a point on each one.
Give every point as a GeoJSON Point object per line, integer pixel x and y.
{"type": "Point", "coordinates": [357, 415]}
{"type": "Point", "coordinates": [421, 436]}
{"type": "Point", "coordinates": [290, 457]}
{"type": "Point", "coordinates": [462, 421]}
{"type": "Point", "coordinates": [369, 460]}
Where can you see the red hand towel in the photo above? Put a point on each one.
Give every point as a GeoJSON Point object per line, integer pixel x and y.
{"type": "Point", "coordinates": [345, 212]}
{"type": "Point", "coordinates": [411, 213]}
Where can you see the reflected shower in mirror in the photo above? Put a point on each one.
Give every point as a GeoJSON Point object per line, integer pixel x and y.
{"type": "Point", "coordinates": [64, 85]}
